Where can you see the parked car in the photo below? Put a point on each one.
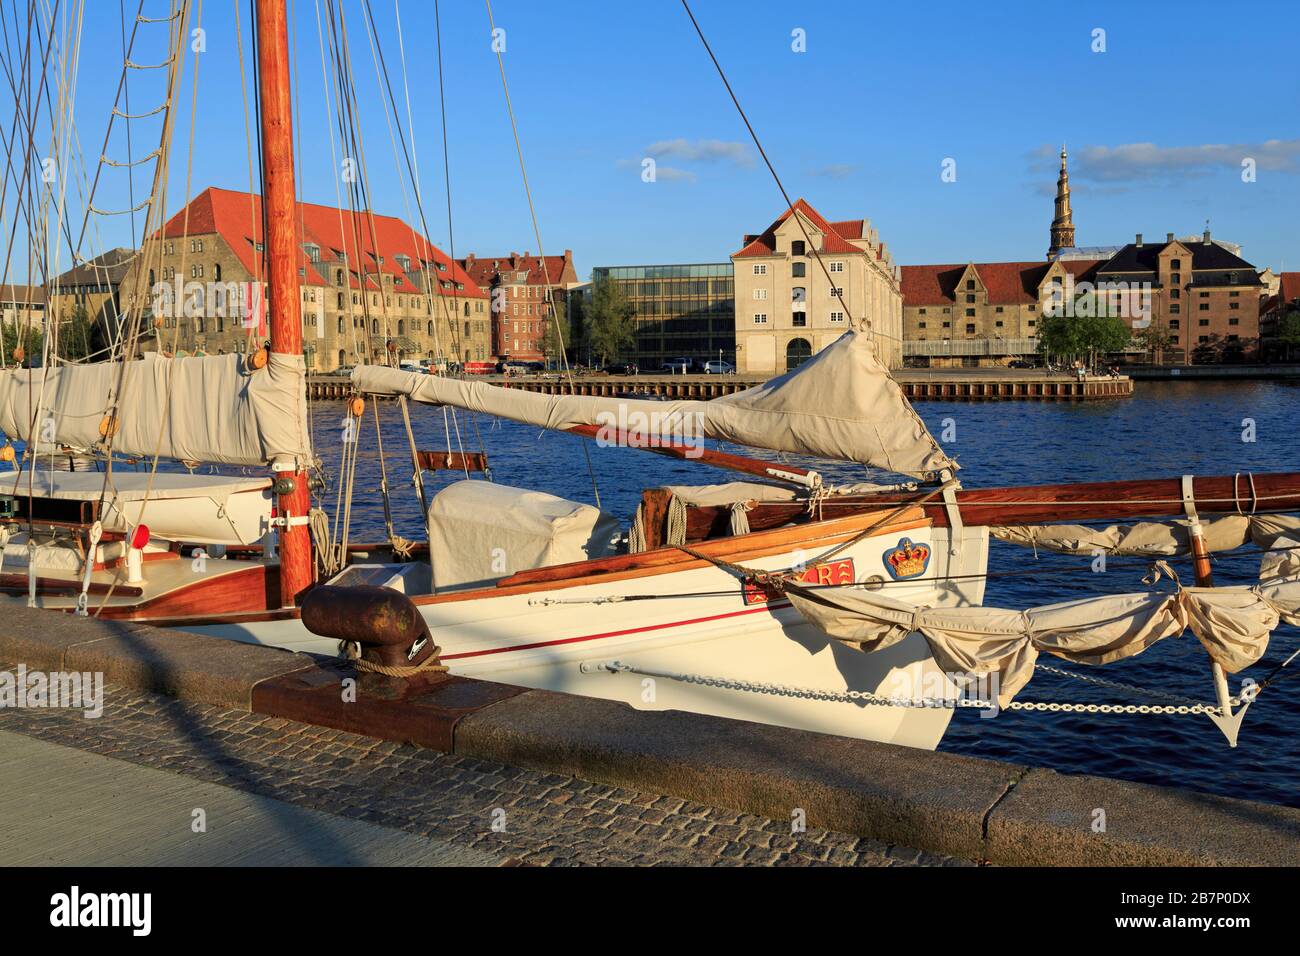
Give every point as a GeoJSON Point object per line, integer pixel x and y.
{"type": "Point", "coordinates": [622, 368]}
{"type": "Point", "coordinates": [677, 366]}
{"type": "Point", "coordinates": [1020, 363]}
{"type": "Point", "coordinates": [717, 367]}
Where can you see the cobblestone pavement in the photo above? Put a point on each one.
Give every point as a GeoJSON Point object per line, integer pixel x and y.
{"type": "Point", "coordinates": [547, 819]}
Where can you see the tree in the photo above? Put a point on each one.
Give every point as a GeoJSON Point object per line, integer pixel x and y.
{"type": "Point", "coordinates": [1083, 336]}
{"type": "Point", "coordinates": [609, 324]}
{"type": "Point", "coordinates": [13, 336]}
{"type": "Point", "coordinates": [1288, 331]}
{"type": "Point", "coordinates": [557, 335]}
{"type": "Point", "coordinates": [1153, 341]}
{"type": "Point", "coordinates": [77, 336]}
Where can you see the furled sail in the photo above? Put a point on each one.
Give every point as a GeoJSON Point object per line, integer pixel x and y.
{"type": "Point", "coordinates": [208, 409]}
{"type": "Point", "coordinates": [840, 404]}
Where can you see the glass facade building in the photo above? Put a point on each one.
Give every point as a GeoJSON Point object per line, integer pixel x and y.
{"type": "Point", "coordinates": [681, 310]}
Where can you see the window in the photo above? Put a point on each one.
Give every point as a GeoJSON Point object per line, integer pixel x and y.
{"type": "Point", "coordinates": [998, 323]}
{"type": "Point", "coordinates": [759, 295]}
{"type": "Point", "coordinates": [836, 292]}
{"type": "Point", "coordinates": [947, 325]}
{"type": "Point", "coordinates": [1203, 338]}
{"type": "Point", "coordinates": [837, 317]}
{"type": "Point", "coordinates": [1234, 305]}
{"type": "Point", "coordinates": [1234, 295]}
{"type": "Point", "coordinates": [799, 319]}
{"type": "Point", "coordinates": [920, 325]}
{"type": "Point", "coordinates": [1205, 307]}
{"type": "Point", "coordinates": [970, 313]}
{"type": "Point", "coordinates": [1175, 323]}
{"type": "Point", "coordinates": [1175, 308]}
{"type": "Point", "coordinates": [970, 328]}
{"type": "Point", "coordinates": [760, 318]}
{"type": "Point", "coordinates": [1175, 277]}
{"type": "Point", "coordinates": [970, 283]}
{"type": "Point", "coordinates": [1203, 323]}
{"type": "Point", "coordinates": [1175, 293]}
{"type": "Point", "coordinates": [797, 248]}
{"type": "Point", "coordinates": [798, 269]}
{"type": "Point", "coordinates": [922, 312]}
{"type": "Point", "coordinates": [998, 310]}
{"type": "Point", "coordinates": [837, 267]}
{"type": "Point", "coordinates": [1175, 263]}
{"type": "Point", "coordinates": [1234, 321]}
{"type": "Point", "coordinates": [1031, 323]}
{"type": "Point", "coordinates": [970, 299]}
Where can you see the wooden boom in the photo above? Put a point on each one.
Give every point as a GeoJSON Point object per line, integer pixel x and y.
{"type": "Point", "coordinates": [1035, 504]}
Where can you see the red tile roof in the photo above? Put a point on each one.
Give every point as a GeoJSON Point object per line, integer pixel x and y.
{"type": "Point", "coordinates": [835, 241]}
{"type": "Point", "coordinates": [1289, 290]}
{"type": "Point", "coordinates": [379, 240]}
{"type": "Point", "coordinates": [1008, 283]}
{"type": "Point", "coordinates": [483, 269]}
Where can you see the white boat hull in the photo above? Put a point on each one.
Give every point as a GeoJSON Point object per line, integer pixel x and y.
{"type": "Point", "coordinates": [701, 624]}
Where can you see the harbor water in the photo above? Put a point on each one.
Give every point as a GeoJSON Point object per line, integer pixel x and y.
{"type": "Point", "coordinates": [1167, 429]}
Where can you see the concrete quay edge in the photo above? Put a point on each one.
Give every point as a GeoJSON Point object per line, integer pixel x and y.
{"type": "Point", "coordinates": [979, 809]}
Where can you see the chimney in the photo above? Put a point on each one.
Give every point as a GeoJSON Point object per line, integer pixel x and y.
{"type": "Point", "coordinates": [1138, 241]}
{"type": "Point", "coordinates": [470, 257]}
{"type": "Point", "coordinates": [568, 255]}
{"type": "Point", "coordinates": [1169, 237]}
{"type": "Point", "coordinates": [1206, 236]}
{"type": "Point", "coordinates": [527, 254]}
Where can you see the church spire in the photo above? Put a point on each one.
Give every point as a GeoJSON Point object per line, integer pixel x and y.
{"type": "Point", "coordinates": [1063, 223]}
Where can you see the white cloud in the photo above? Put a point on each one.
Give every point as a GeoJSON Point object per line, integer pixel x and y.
{"type": "Point", "coordinates": [702, 151]}
{"type": "Point", "coordinates": [1145, 162]}
{"type": "Point", "coordinates": [835, 171]}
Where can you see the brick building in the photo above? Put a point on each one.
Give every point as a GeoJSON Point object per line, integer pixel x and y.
{"type": "Point", "coordinates": [23, 306]}
{"type": "Point", "coordinates": [786, 309]}
{"type": "Point", "coordinates": [1204, 296]}
{"type": "Point", "coordinates": [517, 287]}
{"type": "Point", "coordinates": [982, 313]}
{"type": "Point", "coordinates": [372, 286]}
{"type": "Point", "coordinates": [93, 286]}
{"type": "Point", "coordinates": [1273, 307]}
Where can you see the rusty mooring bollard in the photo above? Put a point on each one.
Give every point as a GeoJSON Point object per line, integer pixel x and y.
{"type": "Point", "coordinates": [383, 622]}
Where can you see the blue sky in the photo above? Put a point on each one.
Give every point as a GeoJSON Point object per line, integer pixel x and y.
{"type": "Point", "coordinates": [860, 124]}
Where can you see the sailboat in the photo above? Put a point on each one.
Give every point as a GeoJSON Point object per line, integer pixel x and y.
{"type": "Point", "coordinates": [781, 598]}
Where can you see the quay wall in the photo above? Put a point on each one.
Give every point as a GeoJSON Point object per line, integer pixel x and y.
{"type": "Point", "coordinates": [981, 810]}
{"type": "Point", "coordinates": [922, 386]}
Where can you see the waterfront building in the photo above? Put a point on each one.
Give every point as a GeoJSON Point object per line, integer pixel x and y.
{"type": "Point", "coordinates": [23, 306]}
{"type": "Point", "coordinates": [787, 309]}
{"type": "Point", "coordinates": [517, 287]}
{"type": "Point", "coordinates": [982, 313]}
{"type": "Point", "coordinates": [372, 287]}
{"type": "Point", "coordinates": [682, 311]}
{"type": "Point", "coordinates": [1284, 299]}
{"type": "Point", "coordinates": [92, 288]}
{"type": "Point", "coordinates": [1204, 297]}
{"type": "Point", "coordinates": [1198, 295]}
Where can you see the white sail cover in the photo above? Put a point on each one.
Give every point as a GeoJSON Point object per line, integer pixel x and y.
{"type": "Point", "coordinates": [208, 409]}
{"type": "Point", "coordinates": [840, 404]}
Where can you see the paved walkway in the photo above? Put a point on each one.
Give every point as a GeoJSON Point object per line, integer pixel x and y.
{"type": "Point", "coordinates": [121, 789]}
{"type": "Point", "coordinates": [65, 807]}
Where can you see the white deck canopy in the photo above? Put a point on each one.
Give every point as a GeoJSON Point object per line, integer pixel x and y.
{"type": "Point", "coordinates": [197, 509]}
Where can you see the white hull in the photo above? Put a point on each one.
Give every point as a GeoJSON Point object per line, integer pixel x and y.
{"type": "Point", "coordinates": [709, 629]}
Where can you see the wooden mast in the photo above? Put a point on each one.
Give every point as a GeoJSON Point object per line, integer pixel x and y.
{"type": "Point", "coordinates": [279, 200]}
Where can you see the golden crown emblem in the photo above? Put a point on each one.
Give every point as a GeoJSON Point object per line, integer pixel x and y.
{"type": "Point", "coordinates": [908, 560]}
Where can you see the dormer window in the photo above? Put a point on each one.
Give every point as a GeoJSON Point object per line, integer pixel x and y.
{"type": "Point", "coordinates": [313, 252]}
{"type": "Point", "coordinates": [797, 248]}
{"type": "Point", "coordinates": [405, 262]}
